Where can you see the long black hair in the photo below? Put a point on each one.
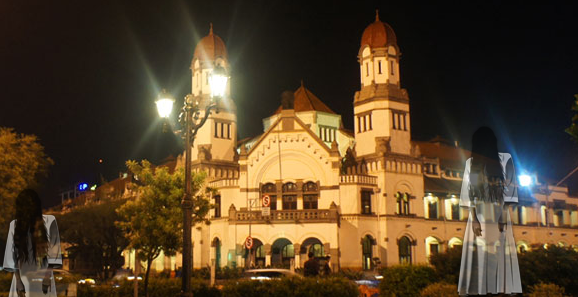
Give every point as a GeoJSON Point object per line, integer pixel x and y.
{"type": "Point", "coordinates": [29, 221]}
{"type": "Point", "coordinates": [486, 172]}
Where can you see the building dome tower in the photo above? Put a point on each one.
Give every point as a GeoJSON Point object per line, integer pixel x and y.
{"type": "Point", "coordinates": [381, 107]}
{"type": "Point", "coordinates": [217, 138]}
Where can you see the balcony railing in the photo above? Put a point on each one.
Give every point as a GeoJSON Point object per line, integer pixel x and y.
{"type": "Point", "coordinates": [223, 183]}
{"type": "Point", "coordinates": [284, 216]}
{"type": "Point", "coordinates": [359, 179]}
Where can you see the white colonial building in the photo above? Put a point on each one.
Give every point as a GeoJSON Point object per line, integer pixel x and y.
{"type": "Point", "coordinates": [366, 197]}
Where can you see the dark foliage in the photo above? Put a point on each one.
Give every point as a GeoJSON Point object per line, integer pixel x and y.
{"type": "Point", "coordinates": [406, 280]}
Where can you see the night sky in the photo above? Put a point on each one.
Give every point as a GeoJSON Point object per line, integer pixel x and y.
{"type": "Point", "coordinates": [83, 75]}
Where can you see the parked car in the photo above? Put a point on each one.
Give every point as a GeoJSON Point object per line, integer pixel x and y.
{"type": "Point", "coordinates": [268, 274]}
{"type": "Point", "coordinates": [64, 280]}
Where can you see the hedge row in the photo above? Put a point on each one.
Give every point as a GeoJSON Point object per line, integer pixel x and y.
{"type": "Point", "coordinates": [302, 287]}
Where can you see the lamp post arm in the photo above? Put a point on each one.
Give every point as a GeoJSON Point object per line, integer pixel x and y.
{"type": "Point", "coordinates": [196, 126]}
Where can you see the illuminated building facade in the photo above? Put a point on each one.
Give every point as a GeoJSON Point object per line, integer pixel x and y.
{"type": "Point", "coordinates": [368, 197]}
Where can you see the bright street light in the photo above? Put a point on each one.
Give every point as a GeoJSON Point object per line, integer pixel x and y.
{"type": "Point", "coordinates": [192, 123]}
{"type": "Point", "coordinates": [525, 180]}
{"type": "Point", "coordinates": [218, 82]}
{"type": "Point", "coordinates": [165, 104]}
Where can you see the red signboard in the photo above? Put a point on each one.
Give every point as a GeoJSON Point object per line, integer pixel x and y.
{"type": "Point", "coordinates": [266, 200]}
{"type": "Point", "coordinates": [249, 242]}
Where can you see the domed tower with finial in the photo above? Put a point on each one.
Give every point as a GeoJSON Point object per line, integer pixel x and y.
{"type": "Point", "coordinates": [216, 139]}
{"type": "Point", "coordinates": [381, 106]}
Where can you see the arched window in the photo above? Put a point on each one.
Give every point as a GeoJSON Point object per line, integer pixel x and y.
{"type": "Point", "coordinates": [402, 201]}
{"type": "Point", "coordinates": [432, 246]}
{"type": "Point", "coordinates": [289, 196]}
{"type": "Point", "coordinates": [522, 246]}
{"type": "Point", "coordinates": [270, 190]}
{"type": "Point", "coordinates": [454, 241]}
{"type": "Point", "coordinates": [217, 245]}
{"type": "Point", "coordinates": [310, 195]}
{"type": "Point", "coordinates": [367, 243]}
{"type": "Point", "coordinates": [404, 245]}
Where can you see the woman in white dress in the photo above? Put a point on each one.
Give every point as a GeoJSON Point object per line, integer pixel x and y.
{"type": "Point", "coordinates": [489, 261]}
{"type": "Point", "coordinates": [32, 249]}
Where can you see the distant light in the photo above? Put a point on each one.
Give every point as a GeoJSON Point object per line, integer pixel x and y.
{"type": "Point", "coordinates": [99, 160]}
{"type": "Point", "coordinates": [165, 104]}
{"type": "Point", "coordinates": [82, 186]}
{"type": "Point", "coordinates": [525, 180]}
{"type": "Point", "coordinates": [93, 188]}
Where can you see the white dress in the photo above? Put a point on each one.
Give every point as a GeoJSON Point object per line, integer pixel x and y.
{"type": "Point", "coordinates": [32, 274]}
{"type": "Point", "coordinates": [489, 262]}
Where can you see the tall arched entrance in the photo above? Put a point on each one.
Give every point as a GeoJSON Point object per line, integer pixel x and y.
{"type": "Point", "coordinates": [216, 244]}
{"type": "Point", "coordinates": [282, 252]}
{"type": "Point", "coordinates": [256, 256]}
{"type": "Point", "coordinates": [312, 245]}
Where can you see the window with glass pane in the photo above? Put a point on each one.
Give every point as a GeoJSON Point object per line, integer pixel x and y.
{"type": "Point", "coordinates": [289, 196]}
{"type": "Point", "coordinates": [288, 251]}
{"type": "Point", "coordinates": [402, 200]}
{"type": "Point", "coordinates": [310, 195]}
{"type": "Point", "coordinates": [366, 202]}
{"type": "Point", "coordinates": [217, 206]}
{"type": "Point", "coordinates": [404, 250]}
{"type": "Point", "coordinates": [433, 209]}
{"type": "Point", "coordinates": [271, 190]}
{"type": "Point", "coordinates": [455, 211]}
{"type": "Point", "coordinates": [434, 248]}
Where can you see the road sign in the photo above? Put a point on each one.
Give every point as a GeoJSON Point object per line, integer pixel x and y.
{"type": "Point", "coordinates": [265, 211]}
{"type": "Point", "coordinates": [249, 242]}
{"type": "Point", "coordinates": [266, 201]}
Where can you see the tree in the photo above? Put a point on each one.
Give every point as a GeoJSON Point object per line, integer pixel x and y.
{"type": "Point", "coordinates": [153, 220]}
{"type": "Point", "coordinates": [556, 265]}
{"type": "Point", "coordinates": [573, 129]}
{"type": "Point", "coordinates": [94, 237]}
{"type": "Point", "coordinates": [447, 264]}
{"type": "Point", "coordinates": [22, 164]}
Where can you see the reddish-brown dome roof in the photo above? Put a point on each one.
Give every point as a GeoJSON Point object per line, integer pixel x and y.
{"type": "Point", "coordinates": [210, 47]}
{"type": "Point", "coordinates": [378, 34]}
{"type": "Point", "coordinates": [304, 100]}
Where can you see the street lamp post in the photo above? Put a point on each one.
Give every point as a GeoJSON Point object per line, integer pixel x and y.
{"type": "Point", "coordinates": [192, 121]}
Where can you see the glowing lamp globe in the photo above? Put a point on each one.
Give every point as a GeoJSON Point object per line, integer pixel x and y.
{"type": "Point", "coordinates": [525, 180]}
{"type": "Point", "coordinates": [165, 104]}
{"type": "Point", "coordinates": [218, 82]}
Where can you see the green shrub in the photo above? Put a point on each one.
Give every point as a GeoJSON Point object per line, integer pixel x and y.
{"type": "Point", "coordinates": [440, 290]}
{"type": "Point", "coordinates": [158, 287]}
{"type": "Point", "coordinates": [555, 265]}
{"type": "Point", "coordinates": [302, 287]}
{"type": "Point", "coordinates": [447, 264]}
{"type": "Point", "coordinates": [542, 289]}
{"type": "Point", "coordinates": [202, 273]}
{"type": "Point", "coordinates": [228, 273]}
{"type": "Point", "coordinates": [406, 280]}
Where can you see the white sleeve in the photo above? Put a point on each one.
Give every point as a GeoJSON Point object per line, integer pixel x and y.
{"type": "Point", "coordinates": [54, 254]}
{"type": "Point", "coordinates": [465, 193]}
{"type": "Point", "coordinates": [511, 189]}
{"type": "Point", "coordinates": [9, 261]}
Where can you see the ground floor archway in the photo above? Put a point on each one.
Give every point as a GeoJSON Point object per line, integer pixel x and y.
{"type": "Point", "coordinates": [282, 251]}
{"type": "Point", "coordinates": [255, 257]}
